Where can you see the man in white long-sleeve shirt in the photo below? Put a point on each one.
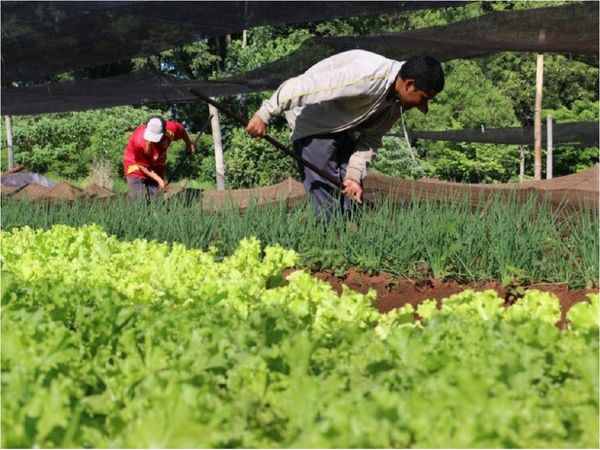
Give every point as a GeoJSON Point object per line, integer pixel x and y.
{"type": "Point", "coordinates": [340, 109]}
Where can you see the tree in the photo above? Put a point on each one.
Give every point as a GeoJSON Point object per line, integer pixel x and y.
{"type": "Point", "coordinates": [394, 158]}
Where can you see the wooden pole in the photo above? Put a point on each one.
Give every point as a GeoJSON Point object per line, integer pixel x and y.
{"type": "Point", "coordinates": [244, 38]}
{"type": "Point", "coordinates": [9, 142]}
{"type": "Point", "coordinates": [549, 149]}
{"type": "Point", "coordinates": [216, 133]}
{"type": "Point", "coordinates": [522, 164]}
{"type": "Point", "coordinates": [537, 124]}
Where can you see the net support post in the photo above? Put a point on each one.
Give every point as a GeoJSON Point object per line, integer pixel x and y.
{"type": "Point", "coordinates": [521, 163]}
{"type": "Point", "coordinates": [537, 120]}
{"type": "Point", "coordinates": [549, 145]}
{"type": "Point", "coordinates": [218, 144]}
{"type": "Point", "coordinates": [9, 142]}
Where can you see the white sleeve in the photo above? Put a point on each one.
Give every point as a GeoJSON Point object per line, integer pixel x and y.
{"type": "Point", "coordinates": [366, 150]}
{"type": "Point", "coordinates": [318, 87]}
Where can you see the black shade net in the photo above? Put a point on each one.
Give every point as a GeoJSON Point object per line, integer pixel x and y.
{"type": "Point", "coordinates": [41, 39]}
{"type": "Point", "coordinates": [577, 133]}
{"type": "Point", "coordinates": [143, 87]}
{"type": "Point", "coordinates": [568, 29]}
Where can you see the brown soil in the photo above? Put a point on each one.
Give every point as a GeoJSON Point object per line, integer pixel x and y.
{"type": "Point", "coordinates": [61, 191]}
{"type": "Point", "coordinates": [65, 190]}
{"type": "Point", "coordinates": [393, 292]}
{"type": "Point", "coordinates": [8, 190]}
{"type": "Point", "coordinates": [96, 191]}
{"type": "Point", "coordinates": [32, 191]}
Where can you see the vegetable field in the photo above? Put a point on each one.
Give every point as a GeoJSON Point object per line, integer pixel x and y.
{"type": "Point", "coordinates": [457, 307]}
{"type": "Point", "coordinates": [500, 239]}
{"type": "Point", "coordinates": [128, 342]}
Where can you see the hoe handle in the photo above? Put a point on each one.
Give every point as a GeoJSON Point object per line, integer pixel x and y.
{"type": "Point", "coordinates": [187, 156]}
{"type": "Point", "coordinates": [203, 129]}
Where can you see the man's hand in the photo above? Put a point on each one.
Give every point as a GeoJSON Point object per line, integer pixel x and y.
{"type": "Point", "coordinates": [190, 148]}
{"type": "Point", "coordinates": [353, 189]}
{"type": "Point", "coordinates": [162, 185]}
{"type": "Point", "coordinates": [256, 127]}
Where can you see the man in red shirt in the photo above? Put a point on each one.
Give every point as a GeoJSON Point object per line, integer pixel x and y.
{"type": "Point", "coordinates": [145, 157]}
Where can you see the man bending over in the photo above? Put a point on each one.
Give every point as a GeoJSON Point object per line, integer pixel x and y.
{"type": "Point", "coordinates": [340, 109]}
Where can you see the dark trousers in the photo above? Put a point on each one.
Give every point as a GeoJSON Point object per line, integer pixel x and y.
{"type": "Point", "coordinates": [142, 187]}
{"type": "Point", "coordinates": [330, 153]}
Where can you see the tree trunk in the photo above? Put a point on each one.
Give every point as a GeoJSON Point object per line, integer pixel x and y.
{"type": "Point", "coordinates": [222, 43]}
{"type": "Point", "coordinates": [216, 133]}
{"type": "Point", "coordinates": [537, 124]}
{"type": "Point", "coordinates": [9, 142]}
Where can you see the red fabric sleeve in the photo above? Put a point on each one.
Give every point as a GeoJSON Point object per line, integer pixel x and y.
{"type": "Point", "coordinates": [175, 129]}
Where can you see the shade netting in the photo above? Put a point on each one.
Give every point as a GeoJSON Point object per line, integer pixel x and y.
{"type": "Point", "coordinates": [574, 133]}
{"type": "Point", "coordinates": [78, 34]}
{"type": "Point", "coordinates": [571, 29]}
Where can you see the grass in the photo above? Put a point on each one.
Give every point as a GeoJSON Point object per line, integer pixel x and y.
{"type": "Point", "coordinates": [502, 239]}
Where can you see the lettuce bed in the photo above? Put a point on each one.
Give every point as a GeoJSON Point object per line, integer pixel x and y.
{"type": "Point", "coordinates": [140, 344]}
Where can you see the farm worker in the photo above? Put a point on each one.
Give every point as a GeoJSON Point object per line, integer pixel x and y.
{"type": "Point", "coordinates": [339, 110]}
{"type": "Point", "coordinates": [145, 157]}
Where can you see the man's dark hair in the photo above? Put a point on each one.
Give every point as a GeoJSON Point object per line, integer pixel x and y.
{"type": "Point", "coordinates": [426, 71]}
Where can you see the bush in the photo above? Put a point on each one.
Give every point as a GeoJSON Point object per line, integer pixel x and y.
{"type": "Point", "coordinates": [394, 159]}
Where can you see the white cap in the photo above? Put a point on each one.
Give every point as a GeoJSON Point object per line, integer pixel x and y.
{"type": "Point", "coordinates": [154, 130]}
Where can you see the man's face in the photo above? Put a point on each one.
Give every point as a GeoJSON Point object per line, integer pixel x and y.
{"type": "Point", "coordinates": [411, 97]}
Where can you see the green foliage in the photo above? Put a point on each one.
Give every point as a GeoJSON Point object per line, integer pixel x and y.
{"type": "Point", "coordinates": [264, 45]}
{"type": "Point", "coordinates": [110, 352]}
{"type": "Point", "coordinates": [440, 16]}
{"type": "Point", "coordinates": [584, 316]}
{"type": "Point", "coordinates": [566, 158]}
{"type": "Point", "coordinates": [465, 103]}
{"type": "Point", "coordinates": [580, 110]}
{"type": "Point", "coordinates": [66, 144]}
{"type": "Point", "coordinates": [200, 166]}
{"type": "Point", "coordinates": [501, 239]}
{"type": "Point", "coordinates": [250, 162]}
{"type": "Point", "coordinates": [565, 81]}
{"type": "Point", "coordinates": [194, 60]}
{"type": "Point", "coordinates": [394, 159]}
